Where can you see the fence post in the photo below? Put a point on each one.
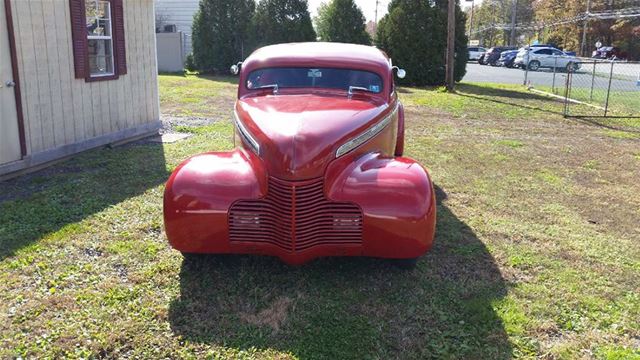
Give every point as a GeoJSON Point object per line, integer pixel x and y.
{"type": "Point", "coordinates": [566, 94]}
{"type": "Point", "coordinates": [593, 79]}
{"type": "Point", "coordinates": [555, 66]}
{"type": "Point", "coordinates": [606, 104]}
{"type": "Point", "coordinates": [526, 67]}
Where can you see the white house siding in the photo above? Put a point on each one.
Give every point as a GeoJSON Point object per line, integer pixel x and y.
{"type": "Point", "coordinates": [179, 13]}
{"type": "Point", "coordinates": [62, 114]}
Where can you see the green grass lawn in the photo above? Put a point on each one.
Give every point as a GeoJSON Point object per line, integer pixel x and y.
{"type": "Point", "coordinates": [536, 254]}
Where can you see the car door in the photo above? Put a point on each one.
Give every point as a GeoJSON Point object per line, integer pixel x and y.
{"type": "Point", "coordinates": [544, 57]}
{"type": "Point", "coordinates": [559, 59]}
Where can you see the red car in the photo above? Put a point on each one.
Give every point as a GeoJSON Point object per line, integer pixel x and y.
{"type": "Point", "coordinates": [317, 169]}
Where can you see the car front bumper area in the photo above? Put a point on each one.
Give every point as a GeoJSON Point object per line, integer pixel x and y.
{"type": "Point", "coordinates": [222, 203]}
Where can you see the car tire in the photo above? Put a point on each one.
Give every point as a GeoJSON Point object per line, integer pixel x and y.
{"type": "Point", "coordinates": [534, 65]}
{"type": "Point", "coordinates": [571, 67]}
{"type": "Point", "coordinates": [406, 264]}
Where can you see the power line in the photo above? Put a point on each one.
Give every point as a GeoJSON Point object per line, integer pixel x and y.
{"type": "Point", "coordinates": [605, 15]}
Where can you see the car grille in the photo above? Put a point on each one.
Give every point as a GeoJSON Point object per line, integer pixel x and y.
{"type": "Point", "coordinates": [295, 216]}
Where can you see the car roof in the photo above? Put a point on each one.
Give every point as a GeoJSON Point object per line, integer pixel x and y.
{"type": "Point", "coordinates": [319, 54]}
{"type": "Point", "coordinates": [547, 47]}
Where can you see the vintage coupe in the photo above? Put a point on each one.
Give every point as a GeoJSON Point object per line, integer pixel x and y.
{"type": "Point", "coordinates": [317, 169]}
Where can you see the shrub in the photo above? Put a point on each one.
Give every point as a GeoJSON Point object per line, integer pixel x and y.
{"type": "Point", "coordinates": [414, 35]}
{"type": "Point", "coordinates": [282, 21]}
{"type": "Point", "coordinates": [342, 21]}
{"type": "Point", "coordinates": [220, 33]}
{"type": "Point", "coordinates": [190, 63]}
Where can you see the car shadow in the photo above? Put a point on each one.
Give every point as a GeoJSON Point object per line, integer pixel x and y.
{"type": "Point", "coordinates": [39, 203]}
{"type": "Point", "coordinates": [345, 308]}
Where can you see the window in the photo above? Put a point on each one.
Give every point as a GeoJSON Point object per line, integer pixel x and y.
{"type": "Point", "coordinates": [97, 29]}
{"type": "Point", "coordinates": [543, 52]}
{"type": "Point", "coordinates": [326, 78]}
{"type": "Point", "coordinates": [100, 40]}
{"type": "Point", "coordinates": [557, 53]}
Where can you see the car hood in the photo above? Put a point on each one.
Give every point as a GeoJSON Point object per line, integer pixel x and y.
{"type": "Point", "coordinates": [299, 134]}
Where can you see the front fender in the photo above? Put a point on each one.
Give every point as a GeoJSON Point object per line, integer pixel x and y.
{"type": "Point", "coordinates": [201, 190]}
{"type": "Point", "coordinates": [397, 200]}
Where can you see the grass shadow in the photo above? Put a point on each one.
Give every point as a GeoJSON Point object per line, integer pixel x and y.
{"type": "Point", "coordinates": [506, 97]}
{"type": "Point", "coordinates": [605, 122]}
{"type": "Point", "coordinates": [229, 79]}
{"type": "Point", "coordinates": [342, 308]}
{"type": "Point", "coordinates": [37, 204]}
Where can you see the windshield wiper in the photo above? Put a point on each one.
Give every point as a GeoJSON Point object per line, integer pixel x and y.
{"type": "Point", "coordinates": [357, 88]}
{"type": "Point", "coordinates": [270, 86]}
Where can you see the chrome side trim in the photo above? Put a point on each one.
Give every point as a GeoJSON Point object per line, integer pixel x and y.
{"type": "Point", "coordinates": [245, 134]}
{"type": "Point", "coordinates": [367, 134]}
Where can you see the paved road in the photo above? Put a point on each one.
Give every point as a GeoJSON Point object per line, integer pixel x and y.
{"type": "Point", "coordinates": [545, 77]}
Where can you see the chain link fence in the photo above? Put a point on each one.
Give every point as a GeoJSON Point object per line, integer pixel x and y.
{"type": "Point", "coordinates": [588, 87]}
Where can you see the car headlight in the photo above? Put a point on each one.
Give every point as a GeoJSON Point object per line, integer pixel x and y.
{"type": "Point", "coordinates": [366, 135]}
{"type": "Point", "coordinates": [245, 134]}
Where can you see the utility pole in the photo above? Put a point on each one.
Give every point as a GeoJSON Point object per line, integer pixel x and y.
{"type": "Point", "coordinates": [514, 10]}
{"type": "Point", "coordinates": [376, 18]}
{"type": "Point", "coordinates": [470, 21]}
{"type": "Point", "coordinates": [584, 30]}
{"type": "Point", "coordinates": [451, 36]}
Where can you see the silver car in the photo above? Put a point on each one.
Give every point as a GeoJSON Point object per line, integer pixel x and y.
{"type": "Point", "coordinates": [475, 52]}
{"type": "Point", "coordinates": [546, 57]}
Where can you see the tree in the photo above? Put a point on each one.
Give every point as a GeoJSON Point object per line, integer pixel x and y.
{"type": "Point", "coordinates": [414, 35]}
{"type": "Point", "coordinates": [342, 21]}
{"type": "Point", "coordinates": [498, 12]}
{"type": "Point", "coordinates": [221, 31]}
{"type": "Point", "coordinates": [282, 21]}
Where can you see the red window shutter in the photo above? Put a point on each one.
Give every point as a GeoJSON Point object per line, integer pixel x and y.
{"type": "Point", "coordinates": [79, 38]}
{"type": "Point", "coordinates": [117, 12]}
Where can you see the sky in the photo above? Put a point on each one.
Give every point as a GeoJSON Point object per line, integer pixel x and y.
{"type": "Point", "coordinates": [368, 7]}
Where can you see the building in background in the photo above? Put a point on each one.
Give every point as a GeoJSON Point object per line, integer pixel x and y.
{"type": "Point", "coordinates": [86, 77]}
{"type": "Point", "coordinates": [176, 16]}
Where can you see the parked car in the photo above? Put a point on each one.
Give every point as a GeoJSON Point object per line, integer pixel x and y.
{"type": "Point", "coordinates": [537, 58]}
{"type": "Point", "coordinates": [493, 54]}
{"type": "Point", "coordinates": [609, 52]}
{"type": "Point", "coordinates": [507, 58]}
{"type": "Point", "coordinates": [318, 168]}
{"type": "Point", "coordinates": [475, 52]}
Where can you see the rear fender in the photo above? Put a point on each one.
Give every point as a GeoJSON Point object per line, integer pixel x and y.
{"type": "Point", "coordinates": [201, 190]}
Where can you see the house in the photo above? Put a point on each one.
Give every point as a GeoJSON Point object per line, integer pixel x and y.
{"type": "Point", "coordinates": [74, 75]}
{"type": "Point", "coordinates": [177, 16]}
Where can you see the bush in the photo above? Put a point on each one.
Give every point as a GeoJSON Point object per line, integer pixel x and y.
{"type": "Point", "coordinates": [414, 35]}
{"type": "Point", "coordinates": [342, 21]}
{"type": "Point", "coordinates": [282, 21]}
{"type": "Point", "coordinates": [190, 63]}
{"type": "Point", "coordinates": [220, 33]}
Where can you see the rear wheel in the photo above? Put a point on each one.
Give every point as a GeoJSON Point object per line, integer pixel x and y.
{"type": "Point", "coordinates": [571, 67]}
{"type": "Point", "coordinates": [534, 65]}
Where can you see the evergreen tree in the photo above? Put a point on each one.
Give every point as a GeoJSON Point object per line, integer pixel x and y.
{"type": "Point", "coordinates": [221, 31]}
{"type": "Point", "coordinates": [282, 21]}
{"type": "Point", "coordinates": [342, 21]}
{"type": "Point", "coordinates": [414, 35]}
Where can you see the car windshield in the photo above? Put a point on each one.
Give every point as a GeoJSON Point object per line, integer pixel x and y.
{"type": "Point", "coordinates": [327, 78]}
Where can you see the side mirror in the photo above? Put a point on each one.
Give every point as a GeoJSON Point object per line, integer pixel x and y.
{"type": "Point", "coordinates": [235, 68]}
{"type": "Point", "coordinates": [399, 72]}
